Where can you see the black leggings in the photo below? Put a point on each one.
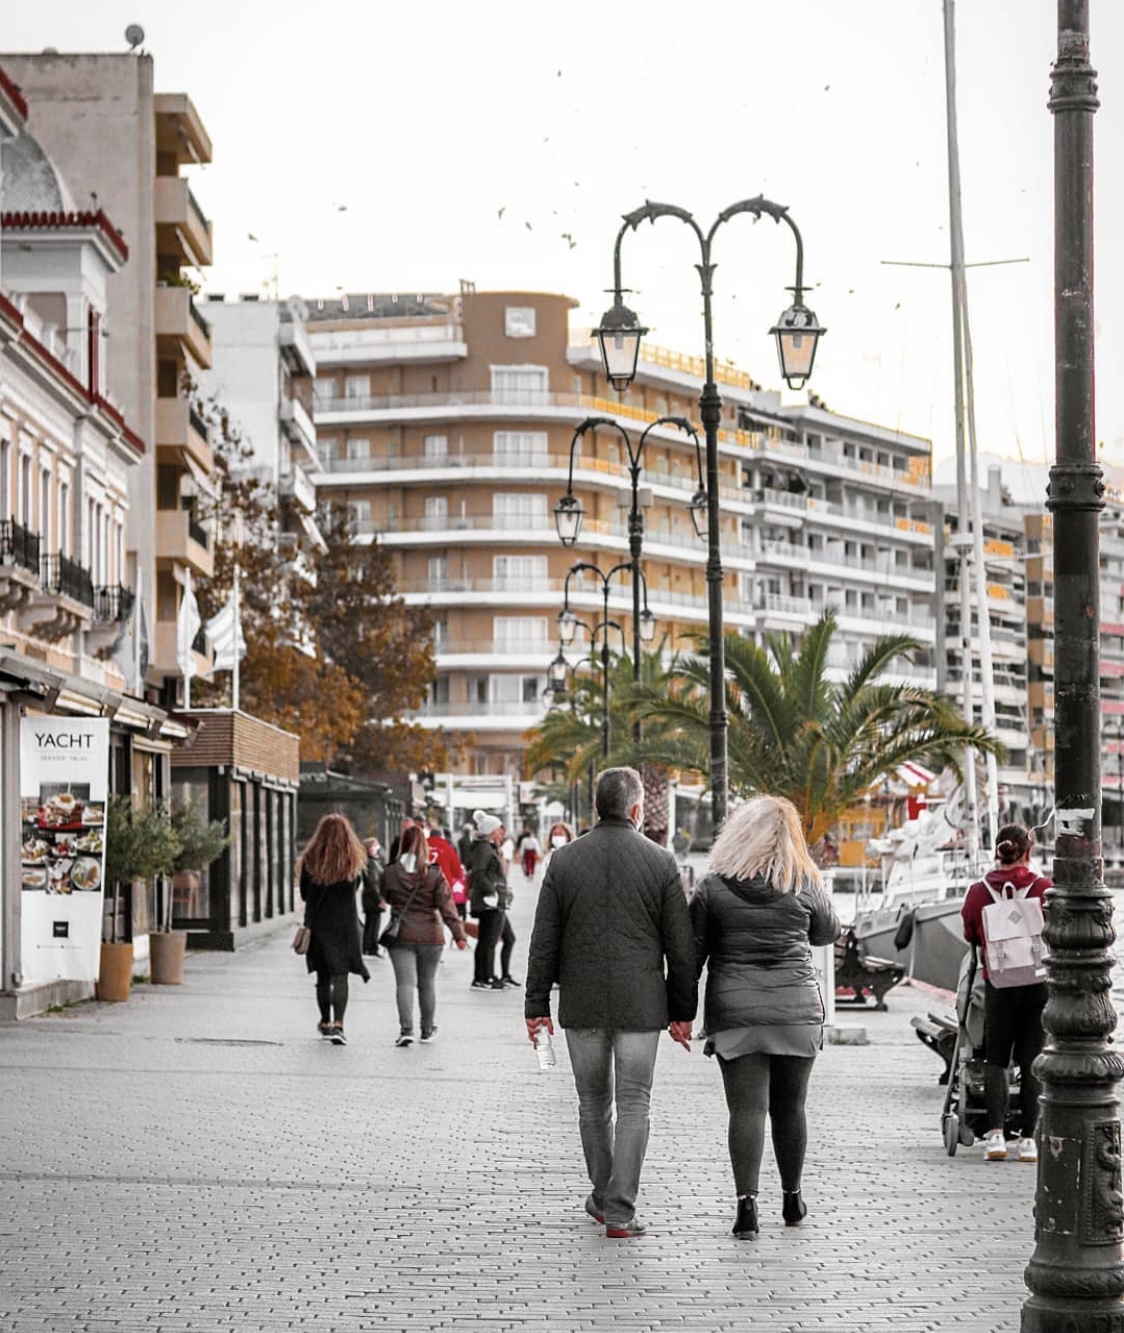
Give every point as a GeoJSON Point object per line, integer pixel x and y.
{"type": "Point", "coordinates": [507, 936]}
{"type": "Point", "coordinates": [489, 928]}
{"type": "Point", "coordinates": [1012, 1027]}
{"type": "Point", "coordinates": [331, 995]}
{"type": "Point", "coordinates": [755, 1085]}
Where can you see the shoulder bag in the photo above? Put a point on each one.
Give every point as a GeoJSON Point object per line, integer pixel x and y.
{"type": "Point", "coordinates": [390, 934]}
{"type": "Point", "coordinates": [303, 938]}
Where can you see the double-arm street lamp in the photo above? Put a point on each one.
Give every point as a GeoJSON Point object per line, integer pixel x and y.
{"type": "Point", "coordinates": [797, 332]}
{"type": "Point", "coordinates": [644, 626]}
{"type": "Point", "coordinates": [1076, 1273]}
{"type": "Point", "coordinates": [569, 514]}
{"type": "Point", "coordinates": [559, 668]}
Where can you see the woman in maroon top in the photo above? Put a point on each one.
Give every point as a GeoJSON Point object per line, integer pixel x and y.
{"type": "Point", "coordinates": [420, 894]}
{"type": "Point", "coordinates": [1012, 1015]}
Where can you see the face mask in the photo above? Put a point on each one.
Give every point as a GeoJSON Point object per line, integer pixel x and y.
{"type": "Point", "coordinates": [409, 862]}
{"type": "Point", "coordinates": [559, 840]}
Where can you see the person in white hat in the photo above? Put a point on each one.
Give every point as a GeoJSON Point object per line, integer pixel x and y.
{"type": "Point", "coordinates": [487, 897]}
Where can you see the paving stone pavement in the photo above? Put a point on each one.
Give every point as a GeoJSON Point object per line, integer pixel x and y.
{"type": "Point", "coordinates": [198, 1160]}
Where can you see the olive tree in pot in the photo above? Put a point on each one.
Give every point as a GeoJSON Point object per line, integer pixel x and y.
{"type": "Point", "coordinates": [139, 844]}
{"type": "Point", "coordinates": [199, 843]}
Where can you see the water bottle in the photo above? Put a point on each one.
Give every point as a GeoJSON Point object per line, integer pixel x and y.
{"type": "Point", "coordinates": [544, 1049]}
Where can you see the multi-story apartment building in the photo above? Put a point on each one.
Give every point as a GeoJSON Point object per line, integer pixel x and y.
{"type": "Point", "coordinates": [445, 424]}
{"type": "Point", "coordinates": [123, 147]}
{"type": "Point", "coordinates": [262, 376]}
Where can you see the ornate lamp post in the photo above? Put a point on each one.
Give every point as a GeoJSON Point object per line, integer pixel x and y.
{"type": "Point", "coordinates": [797, 332]}
{"type": "Point", "coordinates": [559, 668]}
{"type": "Point", "coordinates": [643, 625]}
{"type": "Point", "coordinates": [569, 513]}
{"type": "Point", "coordinates": [1076, 1273]}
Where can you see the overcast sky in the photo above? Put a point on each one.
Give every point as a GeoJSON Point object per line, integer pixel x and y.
{"type": "Point", "coordinates": [406, 145]}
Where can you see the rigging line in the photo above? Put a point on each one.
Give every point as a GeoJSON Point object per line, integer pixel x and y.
{"type": "Point", "coordinates": [982, 263]}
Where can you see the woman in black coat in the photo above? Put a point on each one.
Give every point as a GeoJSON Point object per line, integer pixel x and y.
{"type": "Point", "coordinates": [756, 918]}
{"type": "Point", "coordinates": [330, 869]}
{"type": "Point", "coordinates": [487, 898]}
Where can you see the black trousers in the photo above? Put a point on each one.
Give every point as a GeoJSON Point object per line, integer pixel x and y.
{"type": "Point", "coordinates": [372, 929]}
{"type": "Point", "coordinates": [1012, 1030]}
{"type": "Point", "coordinates": [507, 936]}
{"type": "Point", "coordinates": [490, 928]}
{"type": "Point", "coordinates": [331, 995]}
{"type": "Point", "coordinates": [762, 1086]}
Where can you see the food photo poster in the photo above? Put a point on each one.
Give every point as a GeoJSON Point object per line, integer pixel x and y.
{"type": "Point", "coordinates": [64, 786]}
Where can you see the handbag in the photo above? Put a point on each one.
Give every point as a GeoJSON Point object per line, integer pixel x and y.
{"type": "Point", "coordinates": [390, 934]}
{"type": "Point", "coordinates": [303, 938]}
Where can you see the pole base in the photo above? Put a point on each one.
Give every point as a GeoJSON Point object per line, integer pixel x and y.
{"type": "Point", "coordinates": [1066, 1314]}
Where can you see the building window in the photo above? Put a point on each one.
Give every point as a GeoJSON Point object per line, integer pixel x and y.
{"type": "Point", "coordinates": [520, 631]}
{"type": "Point", "coordinates": [25, 490]}
{"type": "Point", "coordinates": [439, 690]}
{"type": "Point", "coordinates": [525, 448]}
{"type": "Point", "coordinates": [520, 573]}
{"type": "Point", "coordinates": [519, 384]}
{"type": "Point", "coordinates": [436, 506]}
{"type": "Point", "coordinates": [437, 569]}
{"type": "Point", "coordinates": [357, 386]}
{"type": "Point", "coordinates": [358, 448]}
{"type": "Point", "coordinates": [64, 519]}
{"type": "Point", "coordinates": [519, 321]}
{"type": "Point", "coordinates": [518, 504]}
{"type": "Point", "coordinates": [45, 507]}
{"type": "Point", "coordinates": [441, 637]}
{"type": "Point", "coordinates": [326, 389]}
{"type": "Point", "coordinates": [359, 512]}
{"type": "Point", "coordinates": [5, 479]}
{"type": "Point", "coordinates": [437, 446]}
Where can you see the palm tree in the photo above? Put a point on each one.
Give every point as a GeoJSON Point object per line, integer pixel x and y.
{"type": "Point", "coordinates": [795, 733]}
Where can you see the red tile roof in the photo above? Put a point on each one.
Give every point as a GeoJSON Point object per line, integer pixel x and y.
{"type": "Point", "coordinates": [57, 221]}
{"type": "Point", "coordinates": [14, 94]}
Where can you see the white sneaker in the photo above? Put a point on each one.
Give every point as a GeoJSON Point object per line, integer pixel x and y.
{"type": "Point", "coordinates": [995, 1146]}
{"type": "Point", "coordinates": [1028, 1150]}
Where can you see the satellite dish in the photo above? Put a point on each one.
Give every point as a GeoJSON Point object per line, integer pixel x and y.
{"type": "Point", "coordinates": [134, 35]}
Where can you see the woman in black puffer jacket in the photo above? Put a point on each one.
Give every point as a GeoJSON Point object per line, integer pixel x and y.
{"type": "Point", "coordinates": [756, 917]}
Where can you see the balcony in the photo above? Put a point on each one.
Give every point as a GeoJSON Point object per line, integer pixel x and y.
{"type": "Point", "coordinates": [178, 321]}
{"type": "Point", "coordinates": [19, 564]}
{"type": "Point", "coordinates": [181, 538]}
{"type": "Point", "coordinates": [164, 657]}
{"type": "Point", "coordinates": [298, 427]}
{"type": "Point", "coordinates": [179, 426]}
{"type": "Point", "coordinates": [113, 605]}
{"type": "Point", "coordinates": [64, 601]}
{"type": "Point", "coordinates": [181, 227]}
{"type": "Point", "coordinates": [180, 130]}
{"type": "Point", "coordinates": [296, 484]}
{"type": "Point", "coordinates": [296, 347]}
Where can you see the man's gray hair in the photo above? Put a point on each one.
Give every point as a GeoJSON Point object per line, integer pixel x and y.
{"type": "Point", "coordinates": [618, 790]}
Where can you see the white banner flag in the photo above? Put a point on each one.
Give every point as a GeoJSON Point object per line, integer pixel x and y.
{"type": "Point", "coordinates": [224, 629]}
{"type": "Point", "coordinates": [188, 625]}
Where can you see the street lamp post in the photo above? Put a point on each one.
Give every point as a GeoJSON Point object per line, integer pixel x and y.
{"type": "Point", "coordinates": [1076, 1273]}
{"type": "Point", "coordinates": [797, 332]}
{"type": "Point", "coordinates": [560, 667]}
{"type": "Point", "coordinates": [644, 624]}
{"type": "Point", "coordinates": [569, 513]}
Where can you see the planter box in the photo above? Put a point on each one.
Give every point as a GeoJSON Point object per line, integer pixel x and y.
{"type": "Point", "coordinates": [115, 974]}
{"type": "Point", "coordinates": [166, 954]}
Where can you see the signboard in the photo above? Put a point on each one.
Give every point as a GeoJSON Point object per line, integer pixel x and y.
{"type": "Point", "coordinates": [64, 785]}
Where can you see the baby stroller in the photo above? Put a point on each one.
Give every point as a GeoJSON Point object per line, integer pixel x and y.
{"type": "Point", "coordinates": [964, 1115]}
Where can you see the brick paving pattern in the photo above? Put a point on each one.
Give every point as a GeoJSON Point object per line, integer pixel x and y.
{"type": "Point", "coordinates": [198, 1159]}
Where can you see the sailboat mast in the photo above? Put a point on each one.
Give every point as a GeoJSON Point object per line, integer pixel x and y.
{"type": "Point", "coordinates": [956, 268]}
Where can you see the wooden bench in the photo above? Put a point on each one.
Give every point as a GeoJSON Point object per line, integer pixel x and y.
{"type": "Point", "coordinates": [862, 973]}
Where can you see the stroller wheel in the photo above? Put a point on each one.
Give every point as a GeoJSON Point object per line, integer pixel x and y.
{"type": "Point", "coordinates": [951, 1131]}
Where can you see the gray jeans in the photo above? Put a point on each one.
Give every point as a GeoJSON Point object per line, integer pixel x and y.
{"type": "Point", "coordinates": [607, 1062]}
{"type": "Point", "coordinates": [415, 969]}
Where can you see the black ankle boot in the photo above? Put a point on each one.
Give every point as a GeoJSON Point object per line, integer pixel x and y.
{"type": "Point", "coordinates": [745, 1224]}
{"type": "Point", "coordinates": [793, 1209]}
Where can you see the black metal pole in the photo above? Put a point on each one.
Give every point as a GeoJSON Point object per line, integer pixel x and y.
{"type": "Point", "coordinates": [1076, 1273]}
{"type": "Point", "coordinates": [605, 670]}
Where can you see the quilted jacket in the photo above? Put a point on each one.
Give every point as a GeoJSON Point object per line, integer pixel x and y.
{"type": "Point", "coordinates": [757, 944]}
{"type": "Point", "coordinates": [488, 878]}
{"type": "Point", "coordinates": [611, 913]}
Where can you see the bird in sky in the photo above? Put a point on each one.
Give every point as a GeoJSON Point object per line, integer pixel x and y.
{"type": "Point", "coordinates": [251, 237]}
{"type": "Point", "coordinates": [569, 239]}
{"type": "Point", "coordinates": [501, 211]}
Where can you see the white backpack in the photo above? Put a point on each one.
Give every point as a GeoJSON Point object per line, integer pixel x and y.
{"type": "Point", "coordinates": [1014, 947]}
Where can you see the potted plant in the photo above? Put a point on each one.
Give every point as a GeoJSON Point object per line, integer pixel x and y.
{"type": "Point", "coordinates": [139, 844]}
{"type": "Point", "coordinates": [199, 842]}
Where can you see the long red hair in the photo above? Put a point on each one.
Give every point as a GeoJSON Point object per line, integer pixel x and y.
{"type": "Point", "coordinates": [334, 852]}
{"type": "Point", "coordinates": [414, 840]}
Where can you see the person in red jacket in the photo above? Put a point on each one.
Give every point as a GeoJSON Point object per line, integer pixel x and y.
{"type": "Point", "coordinates": [1012, 1016]}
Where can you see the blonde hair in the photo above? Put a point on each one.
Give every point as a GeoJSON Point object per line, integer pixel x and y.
{"type": "Point", "coordinates": [763, 837]}
{"type": "Point", "coordinates": [334, 852]}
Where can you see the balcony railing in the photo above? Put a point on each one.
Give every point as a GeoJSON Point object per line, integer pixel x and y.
{"type": "Point", "coordinates": [19, 546]}
{"type": "Point", "coordinates": [113, 603]}
{"type": "Point", "coordinates": [60, 574]}
{"type": "Point", "coordinates": [198, 424]}
{"type": "Point", "coordinates": [197, 532]}
{"type": "Point", "coordinates": [200, 322]}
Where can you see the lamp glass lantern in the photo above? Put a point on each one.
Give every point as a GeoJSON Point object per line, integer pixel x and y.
{"type": "Point", "coordinates": [798, 333]}
{"type": "Point", "coordinates": [567, 626]}
{"type": "Point", "coordinates": [619, 336]}
{"type": "Point", "coordinates": [568, 516]}
{"type": "Point", "coordinates": [556, 674]}
{"type": "Point", "coordinates": [648, 624]}
{"type": "Point", "coordinates": [699, 513]}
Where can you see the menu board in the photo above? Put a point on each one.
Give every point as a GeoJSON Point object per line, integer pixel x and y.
{"type": "Point", "coordinates": [64, 785]}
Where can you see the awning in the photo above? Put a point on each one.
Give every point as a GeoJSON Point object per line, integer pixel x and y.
{"type": "Point", "coordinates": [204, 485]}
{"type": "Point", "coordinates": [914, 775]}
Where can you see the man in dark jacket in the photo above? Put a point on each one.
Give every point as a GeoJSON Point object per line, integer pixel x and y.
{"type": "Point", "coordinates": [611, 913]}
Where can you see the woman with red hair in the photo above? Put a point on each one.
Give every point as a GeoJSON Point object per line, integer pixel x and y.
{"type": "Point", "coordinates": [330, 869]}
